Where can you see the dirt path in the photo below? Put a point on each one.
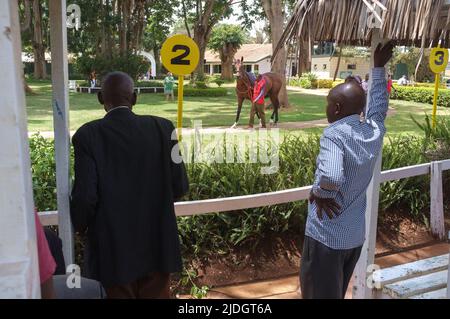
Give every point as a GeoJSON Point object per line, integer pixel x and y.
{"type": "Point", "coordinates": [241, 128]}
{"type": "Point", "coordinates": [287, 287]}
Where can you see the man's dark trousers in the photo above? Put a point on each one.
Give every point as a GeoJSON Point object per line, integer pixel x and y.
{"type": "Point", "coordinates": [324, 272]}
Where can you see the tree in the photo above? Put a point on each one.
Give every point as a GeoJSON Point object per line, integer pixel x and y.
{"type": "Point", "coordinates": [111, 26]}
{"type": "Point", "coordinates": [204, 15]}
{"type": "Point", "coordinates": [159, 21]}
{"type": "Point", "coordinates": [274, 11]}
{"type": "Point", "coordinates": [226, 39]}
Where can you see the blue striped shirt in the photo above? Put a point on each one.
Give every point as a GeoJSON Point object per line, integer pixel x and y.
{"type": "Point", "coordinates": [348, 151]}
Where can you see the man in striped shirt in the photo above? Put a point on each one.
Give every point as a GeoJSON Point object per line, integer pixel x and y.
{"type": "Point", "coordinates": [349, 147]}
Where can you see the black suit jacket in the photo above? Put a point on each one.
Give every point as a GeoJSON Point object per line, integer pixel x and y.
{"type": "Point", "coordinates": [123, 195]}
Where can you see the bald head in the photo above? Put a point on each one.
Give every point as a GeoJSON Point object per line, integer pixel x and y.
{"type": "Point", "coordinates": [344, 100]}
{"type": "Point", "coordinates": [117, 90]}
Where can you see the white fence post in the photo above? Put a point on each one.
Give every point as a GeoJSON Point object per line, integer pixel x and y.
{"type": "Point", "coordinates": [437, 221]}
{"type": "Point", "coordinates": [448, 279]}
{"type": "Point", "coordinates": [19, 269]}
{"type": "Point", "coordinates": [60, 80]}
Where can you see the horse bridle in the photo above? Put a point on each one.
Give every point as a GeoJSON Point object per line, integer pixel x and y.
{"type": "Point", "coordinates": [249, 88]}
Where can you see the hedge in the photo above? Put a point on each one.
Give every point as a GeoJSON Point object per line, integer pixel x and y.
{"type": "Point", "coordinates": [157, 84]}
{"type": "Point", "coordinates": [324, 83]}
{"type": "Point", "coordinates": [209, 92]}
{"type": "Point", "coordinates": [420, 95]}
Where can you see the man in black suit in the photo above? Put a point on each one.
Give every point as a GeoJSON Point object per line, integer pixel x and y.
{"type": "Point", "coordinates": [125, 186]}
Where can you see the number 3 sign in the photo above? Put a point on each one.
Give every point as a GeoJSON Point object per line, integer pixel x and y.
{"type": "Point", "coordinates": [180, 54]}
{"type": "Point", "coordinates": [438, 60]}
{"type": "Point", "coordinates": [438, 64]}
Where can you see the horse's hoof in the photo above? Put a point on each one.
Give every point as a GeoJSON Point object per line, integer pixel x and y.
{"type": "Point", "coordinates": [234, 125]}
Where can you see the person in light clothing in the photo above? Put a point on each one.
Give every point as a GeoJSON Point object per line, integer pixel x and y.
{"type": "Point", "coordinates": [168, 86]}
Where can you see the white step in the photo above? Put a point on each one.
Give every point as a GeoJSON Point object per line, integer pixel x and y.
{"type": "Point", "coordinates": [417, 285]}
{"type": "Point", "coordinates": [437, 294]}
{"type": "Point", "coordinates": [421, 267]}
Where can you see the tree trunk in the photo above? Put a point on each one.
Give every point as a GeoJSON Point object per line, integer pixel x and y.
{"type": "Point", "coordinates": [38, 45]}
{"type": "Point", "coordinates": [26, 22]}
{"type": "Point", "coordinates": [226, 57]}
{"type": "Point", "coordinates": [275, 15]}
{"type": "Point", "coordinates": [124, 6]}
{"type": "Point", "coordinates": [200, 37]}
{"type": "Point", "coordinates": [304, 63]}
{"type": "Point", "coordinates": [337, 65]}
{"type": "Point", "coordinates": [202, 31]}
{"type": "Point", "coordinates": [156, 54]}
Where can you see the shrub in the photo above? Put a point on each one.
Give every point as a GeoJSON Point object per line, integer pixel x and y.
{"type": "Point", "coordinates": [420, 95]}
{"type": "Point", "coordinates": [337, 82]}
{"type": "Point", "coordinates": [430, 85]}
{"type": "Point", "coordinates": [219, 82]}
{"type": "Point", "coordinates": [297, 155]}
{"type": "Point", "coordinates": [201, 85]}
{"type": "Point", "coordinates": [149, 84]}
{"type": "Point", "coordinates": [132, 64]}
{"type": "Point", "coordinates": [294, 82]}
{"type": "Point", "coordinates": [208, 92]}
{"type": "Point", "coordinates": [324, 84]}
{"type": "Point", "coordinates": [408, 193]}
{"type": "Point", "coordinates": [308, 81]}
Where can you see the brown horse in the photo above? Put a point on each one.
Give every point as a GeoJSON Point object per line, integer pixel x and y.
{"type": "Point", "coordinates": [244, 90]}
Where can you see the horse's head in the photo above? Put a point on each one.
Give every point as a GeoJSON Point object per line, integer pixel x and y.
{"type": "Point", "coordinates": [241, 74]}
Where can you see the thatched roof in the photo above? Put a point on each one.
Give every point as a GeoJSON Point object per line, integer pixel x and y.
{"type": "Point", "coordinates": [410, 22]}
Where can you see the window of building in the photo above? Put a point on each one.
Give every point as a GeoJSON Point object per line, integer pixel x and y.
{"type": "Point", "coordinates": [324, 67]}
{"type": "Point", "coordinates": [217, 68]}
{"type": "Point", "coordinates": [323, 48]}
{"type": "Point", "coordinates": [207, 68]}
{"type": "Point", "coordinates": [256, 68]}
{"type": "Point", "coordinates": [351, 67]}
{"type": "Point", "coordinates": [248, 67]}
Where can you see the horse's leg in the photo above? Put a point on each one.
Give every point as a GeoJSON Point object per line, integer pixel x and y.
{"type": "Point", "coordinates": [238, 111]}
{"type": "Point", "coordinates": [276, 106]}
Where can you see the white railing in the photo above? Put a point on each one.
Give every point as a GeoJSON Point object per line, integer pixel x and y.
{"type": "Point", "coordinates": [200, 207]}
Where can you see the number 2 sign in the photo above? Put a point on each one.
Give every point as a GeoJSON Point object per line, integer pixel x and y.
{"type": "Point", "coordinates": [180, 54]}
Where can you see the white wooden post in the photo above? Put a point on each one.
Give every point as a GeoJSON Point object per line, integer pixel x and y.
{"type": "Point", "coordinates": [448, 279]}
{"type": "Point", "coordinates": [364, 267]}
{"type": "Point", "coordinates": [19, 269]}
{"type": "Point", "coordinates": [58, 39]}
{"type": "Point", "coordinates": [437, 201]}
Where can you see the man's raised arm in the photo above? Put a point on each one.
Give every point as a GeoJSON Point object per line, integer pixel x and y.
{"type": "Point", "coordinates": [378, 95]}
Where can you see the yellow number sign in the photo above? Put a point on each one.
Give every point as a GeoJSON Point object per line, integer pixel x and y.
{"type": "Point", "coordinates": [180, 55]}
{"type": "Point", "coordinates": [438, 60]}
{"type": "Point", "coordinates": [438, 64]}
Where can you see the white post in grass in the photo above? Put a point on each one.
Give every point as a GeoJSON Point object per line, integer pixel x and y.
{"type": "Point", "coordinates": [437, 201]}
{"type": "Point", "coordinates": [361, 288]}
{"type": "Point", "coordinates": [60, 101]}
{"type": "Point", "coordinates": [19, 268]}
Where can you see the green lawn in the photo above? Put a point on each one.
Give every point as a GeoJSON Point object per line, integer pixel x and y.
{"type": "Point", "coordinates": [212, 111]}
